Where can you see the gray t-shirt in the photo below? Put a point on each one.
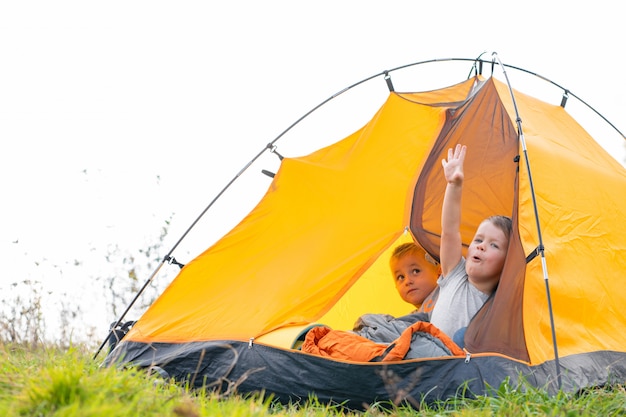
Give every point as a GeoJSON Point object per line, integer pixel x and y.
{"type": "Point", "coordinates": [458, 301]}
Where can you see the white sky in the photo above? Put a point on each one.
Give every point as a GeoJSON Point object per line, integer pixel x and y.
{"type": "Point", "coordinates": [116, 115]}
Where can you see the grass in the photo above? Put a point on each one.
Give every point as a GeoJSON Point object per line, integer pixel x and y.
{"type": "Point", "coordinates": [58, 383]}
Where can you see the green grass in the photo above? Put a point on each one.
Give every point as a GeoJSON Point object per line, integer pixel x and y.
{"type": "Point", "coordinates": [57, 383]}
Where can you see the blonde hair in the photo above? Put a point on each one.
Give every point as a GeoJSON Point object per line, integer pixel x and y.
{"type": "Point", "coordinates": [411, 247]}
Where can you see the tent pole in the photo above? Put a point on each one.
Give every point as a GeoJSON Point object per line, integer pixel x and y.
{"type": "Point", "coordinates": [168, 257]}
{"type": "Point", "coordinates": [540, 248]}
{"type": "Point", "coordinates": [119, 321]}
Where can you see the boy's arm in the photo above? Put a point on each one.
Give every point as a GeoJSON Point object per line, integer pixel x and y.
{"type": "Point", "coordinates": [450, 250]}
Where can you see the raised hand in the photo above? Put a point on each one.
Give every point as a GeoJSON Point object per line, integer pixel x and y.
{"type": "Point", "coordinates": [453, 166]}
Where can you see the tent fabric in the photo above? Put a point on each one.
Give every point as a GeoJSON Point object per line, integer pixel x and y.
{"type": "Point", "coordinates": [489, 189]}
{"type": "Point", "coordinates": [292, 376]}
{"type": "Point", "coordinates": [315, 251]}
{"type": "Point", "coordinates": [313, 234]}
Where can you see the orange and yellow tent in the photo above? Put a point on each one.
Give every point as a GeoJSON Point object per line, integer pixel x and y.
{"type": "Point", "coordinates": [315, 250]}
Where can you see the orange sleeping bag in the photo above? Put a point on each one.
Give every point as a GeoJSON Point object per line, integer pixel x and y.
{"type": "Point", "coordinates": [339, 344]}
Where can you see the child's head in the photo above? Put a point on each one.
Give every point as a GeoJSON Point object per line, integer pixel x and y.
{"type": "Point", "coordinates": [487, 252]}
{"type": "Point", "coordinates": [414, 271]}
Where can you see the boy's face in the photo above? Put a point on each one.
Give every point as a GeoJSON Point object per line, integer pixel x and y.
{"type": "Point", "coordinates": [414, 276]}
{"type": "Point", "coordinates": [486, 254]}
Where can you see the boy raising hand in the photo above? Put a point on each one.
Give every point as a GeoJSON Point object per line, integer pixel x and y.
{"type": "Point", "coordinates": [465, 284]}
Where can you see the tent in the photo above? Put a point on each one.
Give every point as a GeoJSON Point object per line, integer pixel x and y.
{"type": "Point", "coordinates": [315, 250]}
